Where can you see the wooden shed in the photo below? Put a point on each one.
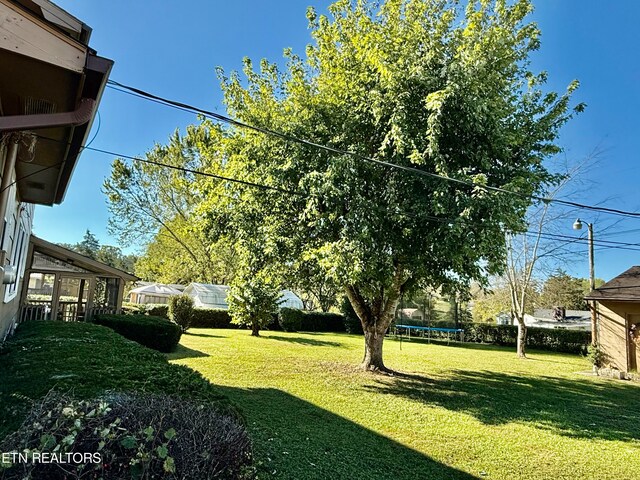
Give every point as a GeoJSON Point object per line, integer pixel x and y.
{"type": "Point", "coordinates": [617, 305]}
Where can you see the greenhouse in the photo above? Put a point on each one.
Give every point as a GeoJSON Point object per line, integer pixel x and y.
{"type": "Point", "coordinates": [154, 293]}
{"type": "Point", "coordinates": [215, 296]}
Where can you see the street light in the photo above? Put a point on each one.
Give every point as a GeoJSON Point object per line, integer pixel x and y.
{"type": "Point", "coordinates": [577, 225]}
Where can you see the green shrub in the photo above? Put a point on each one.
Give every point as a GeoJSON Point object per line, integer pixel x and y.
{"type": "Point", "coordinates": [153, 309]}
{"type": "Point", "coordinates": [290, 319]}
{"type": "Point", "coordinates": [133, 308]}
{"type": "Point", "coordinates": [157, 310]}
{"type": "Point", "coordinates": [181, 310]}
{"type": "Point", "coordinates": [322, 322]}
{"type": "Point", "coordinates": [557, 340]}
{"type": "Point", "coordinates": [88, 359]}
{"type": "Point", "coordinates": [253, 301]}
{"type": "Point", "coordinates": [120, 436]}
{"type": "Point", "coordinates": [153, 332]}
{"type": "Point", "coordinates": [596, 356]}
{"type": "Point", "coordinates": [294, 320]}
{"type": "Point", "coordinates": [211, 318]}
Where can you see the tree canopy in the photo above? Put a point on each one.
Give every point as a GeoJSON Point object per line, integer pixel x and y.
{"type": "Point", "coordinates": [110, 255]}
{"type": "Point", "coordinates": [423, 104]}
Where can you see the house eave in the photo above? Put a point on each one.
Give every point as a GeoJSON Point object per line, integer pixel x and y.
{"type": "Point", "coordinates": [56, 251]}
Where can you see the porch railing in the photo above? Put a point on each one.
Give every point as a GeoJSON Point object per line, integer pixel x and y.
{"type": "Point", "coordinates": [67, 311]}
{"type": "Point", "coordinates": [35, 310]}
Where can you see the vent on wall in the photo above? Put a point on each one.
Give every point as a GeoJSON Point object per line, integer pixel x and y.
{"type": "Point", "coordinates": [33, 106]}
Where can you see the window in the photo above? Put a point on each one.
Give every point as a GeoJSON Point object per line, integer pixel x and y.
{"type": "Point", "coordinates": [17, 259]}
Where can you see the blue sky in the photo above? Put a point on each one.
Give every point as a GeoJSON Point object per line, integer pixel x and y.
{"type": "Point", "coordinates": [172, 50]}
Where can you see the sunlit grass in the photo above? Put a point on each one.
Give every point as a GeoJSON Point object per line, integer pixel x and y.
{"type": "Point", "coordinates": [462, 411]}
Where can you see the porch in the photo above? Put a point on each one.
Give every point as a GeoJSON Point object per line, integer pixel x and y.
{"type": "Point", "coordinates": [63, 285]}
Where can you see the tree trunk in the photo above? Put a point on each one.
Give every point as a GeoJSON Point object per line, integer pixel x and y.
{"type": "Point", "coordinates": [522, 339]}
{"type": "Point", "coordinates": [373, 350]}
{"type": "Point", "coordinates": [375, 317]}
{"type": "Point", "coordinates": [255, 329]}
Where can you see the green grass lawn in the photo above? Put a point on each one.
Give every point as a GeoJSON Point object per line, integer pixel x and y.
{"type": "Point", "coordinates": [464, 411]}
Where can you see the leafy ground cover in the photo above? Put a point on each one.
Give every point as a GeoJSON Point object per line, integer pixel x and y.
{"type": "Point", "coordinates": [85, 360]}
{"type": "Point", "coordinates": [461, 411]}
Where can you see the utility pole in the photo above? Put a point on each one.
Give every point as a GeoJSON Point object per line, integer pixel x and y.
{"type": "Point", "coordinates": [592, 285]}
{"type": "Point", "coordinates": [592, 280]}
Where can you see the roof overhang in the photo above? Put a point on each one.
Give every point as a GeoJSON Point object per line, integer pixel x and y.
{"type": "Point", "coordinates": [86, 263]}
{"type": "Point", "coordinates": [47, 73]}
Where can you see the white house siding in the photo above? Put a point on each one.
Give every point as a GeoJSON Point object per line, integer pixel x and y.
{"type": "Point", "coordinates": [16, 226]}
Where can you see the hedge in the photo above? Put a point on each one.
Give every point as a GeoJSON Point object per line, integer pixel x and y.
{"type": "Point", "coordinates": [557, 340]}
{"type": "Point", "coordinates": [90, 361]}
{"type": "Point", "coordinates": [211, 318]}
{"type": "Point", "coordinates": [153, 332]}
{"type": "Point", "coordinates": [153, 309]}
{"type": "Point", "coordinates": [294, 320]}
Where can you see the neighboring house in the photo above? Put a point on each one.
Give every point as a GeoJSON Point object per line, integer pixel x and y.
{"type": "Point", "coordinates": [65, 285]}
{"type": "Point", "coordinates": [215, 296]}
{"type": "Point", "coordinates": [51, 82]}
{"type": "Point", "coordinates": [559, 318]}
{"type": "Point", "coordinates": [154, 293]}
{"type": "Point", "coordinates": [617, 305]}
{"type": "Point", "coordinates": [504, 318]}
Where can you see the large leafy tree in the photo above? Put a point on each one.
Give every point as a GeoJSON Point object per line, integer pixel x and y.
{"type": "Point", "coordinates": [562, 290]}
{"type": "Point", "coordinates": [416, 83]}
{"type": "Point", "coordinates": [153, 205]}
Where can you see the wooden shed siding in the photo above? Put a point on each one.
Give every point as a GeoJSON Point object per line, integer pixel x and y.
{"type": "Point", "coordinates": [614, 330]}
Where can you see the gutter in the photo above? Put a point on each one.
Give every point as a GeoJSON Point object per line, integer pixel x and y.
{"type": "Point", "coordinates": [80, 116]}
{"type": "Point", "coordinates": [14, 123]}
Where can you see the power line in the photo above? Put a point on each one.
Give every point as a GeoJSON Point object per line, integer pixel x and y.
{"type": "Point", "coordinates": [547, 235]}
{"type": "Point", "coordinates": [336, 151]}
{"type": "Point", "coordinates": [599, 243]}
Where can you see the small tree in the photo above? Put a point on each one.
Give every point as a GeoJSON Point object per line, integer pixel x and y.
{"type": "Point", "coordinates": [181, 310]}
{"type": "Point", "coordinates": [253, 301]}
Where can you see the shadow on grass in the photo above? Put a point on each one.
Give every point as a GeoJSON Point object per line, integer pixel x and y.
{"type": "Point", "coordinates": [192, 334]}
{"type": "Point", "coordinates": [183, 352]}
{"type": "Point", "coordinates": [298, 440]}
{"type": "Point", "coordinates": [577, 408]}
{"type": "Point", "coordinates": [304, 341]}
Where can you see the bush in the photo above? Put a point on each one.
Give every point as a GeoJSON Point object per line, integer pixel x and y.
{"type": "Point", "coordinates": [153, 332]}
{"type": "Point", "coordinates": [557, 340]}
{"type": "Point", "coordinates": [90, 359]}
{"type": "Point", "coordinates": [294, 320]}
{"type": "Point", "coordinates": [596, 356]}
{"type": "Point", "coordinates": [211, 318]}
{"type": "Point", "coordinates": [290, 319]}
{"type": "Point", "coordinates": [130, 436]}
{"type": "Point", "coordinates": [157, 310]}
{"type": "Point", "coordinates": [153, 309]}
{"type": "Point", "coordinates": [181, 310]}
{"type": "Point", "coordinates": [133, 308]}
